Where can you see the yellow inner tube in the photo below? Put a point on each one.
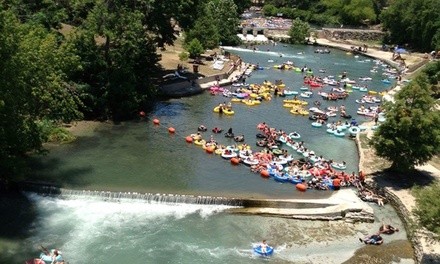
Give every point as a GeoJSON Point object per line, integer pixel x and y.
{"type": "Point", "coordinates": [200, 142]}
{"type": "Point", "coordinates": [228, 112]}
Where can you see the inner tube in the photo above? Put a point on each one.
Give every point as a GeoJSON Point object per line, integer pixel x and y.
{"type": "Point", "coordinates": [354, 130]}
{"type": "Point", "coordinates": [346, 116]}
{"type": "Point", "coordinates": [258, 250]}
{"type": "Point", "coordinates": [261, 143]}
{"type": "Point", "coordinates": [239, 139]}
{"type": "Point", "coordinates": [259, 135]}
{"type": "Point", "coordinates": [202, 128]}
{"type": "Point", "coordinates": [217, 130]}
{"type": "Point", "coordinates": [294, 135]}
{"type": "Point", "coordinates": [229, 135]}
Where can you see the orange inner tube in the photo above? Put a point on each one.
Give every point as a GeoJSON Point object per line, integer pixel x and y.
{"type": "Point", "coordinates": [301, 187]}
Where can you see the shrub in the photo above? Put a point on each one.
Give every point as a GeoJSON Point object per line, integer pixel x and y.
{"type": "Point", "coordinates": [428, 206]}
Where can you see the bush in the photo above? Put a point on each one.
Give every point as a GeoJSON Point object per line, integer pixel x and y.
{"type": "Point", "coordinates": [299, 31]}
{"type": "Point", "coordinates": [51, 132]}
{"type": "Point", "coordinates": [428, 206]}
{"type": "Point", "coordinates": [195, 48]}
{"type": "Point", "coordinates": [183, 56]}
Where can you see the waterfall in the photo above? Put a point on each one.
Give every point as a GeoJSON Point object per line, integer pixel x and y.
{"type": "Point", "coordinates": [50, 190]}
{"type": "Point", "coordinates": [117, 196]}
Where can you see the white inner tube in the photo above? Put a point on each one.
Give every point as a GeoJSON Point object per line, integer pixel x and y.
{"type": "Point", "coordinates": [354, 130]}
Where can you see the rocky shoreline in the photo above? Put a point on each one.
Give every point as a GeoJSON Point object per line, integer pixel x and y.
{"type": "Point", "coordinates": [425, 243]}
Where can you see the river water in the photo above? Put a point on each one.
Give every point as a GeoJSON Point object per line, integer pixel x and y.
{"type": "Point", "coordinates": [141, 157]}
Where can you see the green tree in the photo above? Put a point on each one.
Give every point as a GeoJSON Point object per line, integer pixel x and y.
{"type": "Point", "coordinates": [413, 22]}
{"type": "Point", "coordinates": [411, 133]}
{"type": "Point", "coordinates": [428, 207]}
{"type": "Point", "coordinates": [34, 88]}
{"type": "Point", "coordinates": [358, 12]}
{"type": "Point", "coordinates": [189, 12]}
{"type": "Point", "coordinates": [226, 19]}
{"type": "Point", "coordinates": [125, 55]}
{"type": "Point", "coordinates": [299, 31]}
{"type": "Point", "coordinates": [205, 31]}
{"type": "Point", "coordinates": [242, 5]}
{"type": "Point", "coordinates": [195, 48]}
{"type": "Point", "coordinates": [270, 10]}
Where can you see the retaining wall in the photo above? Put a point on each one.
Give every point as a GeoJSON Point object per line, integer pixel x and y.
{"type": "Point", "coordinates": [354, 34]}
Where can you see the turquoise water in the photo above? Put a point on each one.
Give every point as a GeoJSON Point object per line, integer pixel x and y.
{"type": "Point", "coordinates": [90, 230]}
{"type": "Point", "coordinates": [138, 156]}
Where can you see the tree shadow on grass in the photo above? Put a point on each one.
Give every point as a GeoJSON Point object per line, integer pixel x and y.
{"type": "Point", "coordinates": [404, 180]}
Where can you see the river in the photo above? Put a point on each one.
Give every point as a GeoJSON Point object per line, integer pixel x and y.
{"type": "Point", "coordinates": [139, 156]}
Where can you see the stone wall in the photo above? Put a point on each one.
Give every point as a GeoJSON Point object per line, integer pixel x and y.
{"type": "Point", "coordinates": [353, 34]}
{"type": "Point", "coordinates": [422, 240]}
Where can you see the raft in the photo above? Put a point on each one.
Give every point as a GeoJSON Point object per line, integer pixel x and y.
{"type": "Point", "coordinates": [354, 130]}
{"type": "Point", "coordinates": [258, 250]}
{"type": "Point", "coordinates": [339, 166]}
{"type": "Point", "coordinates": [316, 124]}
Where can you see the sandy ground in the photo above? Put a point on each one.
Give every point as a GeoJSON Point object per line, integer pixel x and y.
{"type": "Point", "coordinates": [170, 60]}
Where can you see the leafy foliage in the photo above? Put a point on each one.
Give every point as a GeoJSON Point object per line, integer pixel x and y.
{"type": "Point", "coordinates": [411, 133]}
{"type": "Point", "coordinates": [416, 22]}
{"type": "Point", "coordinates": [183, 56]}
{"type": "Point", "coordinates": [218, 25]}
{"type": "Point", "coordinates": [226, 19]}
{"type": "Point", "coordinates": [205, 31]}
{"type": "Point", "coordinates": [195, 48]}
{"type": "Point", "coordinates": [299, 31]}
{"type": "Point", "coordinates": [428, 207]}
{"type": "Point", "coordinates": [34, 70]}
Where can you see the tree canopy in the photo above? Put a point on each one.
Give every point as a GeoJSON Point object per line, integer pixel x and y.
{"type": "Point", "coordinates": [414, 22]}
{"type": "Point", "coordinates": [34, 87]}
{"type": "Point", "coordinates": [410, 135]}
{"type": "Point", "coordinates": [299, 31]}
{"type": "Point", "coordinates": [219, 24]}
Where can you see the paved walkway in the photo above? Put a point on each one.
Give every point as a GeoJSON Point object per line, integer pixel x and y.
{"type": "Point", "coordinates": [235, 75]}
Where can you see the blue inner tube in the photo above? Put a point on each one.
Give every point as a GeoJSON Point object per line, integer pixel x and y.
{"type": "Point", "coordinates": [269, 251]}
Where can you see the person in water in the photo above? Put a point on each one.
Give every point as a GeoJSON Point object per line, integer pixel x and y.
{"type": "Point", "coordinates": [375, 239]}
{"type": "Point", "coordinates": [387, 229]}
{"type": "Point", "coordinates": [264, 246]}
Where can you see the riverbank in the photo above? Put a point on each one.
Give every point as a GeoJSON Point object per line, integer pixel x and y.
{"type": "Point", "coordinates": [397, 191]}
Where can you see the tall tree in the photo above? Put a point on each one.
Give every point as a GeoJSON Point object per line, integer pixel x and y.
{"type": "Point", "coordinates": [299, 31]}
{"type": "Point", "coordinates": [411, 133]}
{"type": "Point", "coordinates": [205, 31]}
{"type": "Point", "coordinates": [242, 5]}
{"type": "Point", "coordinates": [34, 87]}
{"type": "Point", "coordinates": [413, 22]}
{"type": "Point", "coordinates": [126, 58]}
{"type": "Point", "coordinates": [227, 21]}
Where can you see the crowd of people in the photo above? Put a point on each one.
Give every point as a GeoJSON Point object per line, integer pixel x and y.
{"type": "Point", "coordinates": [267, 22]}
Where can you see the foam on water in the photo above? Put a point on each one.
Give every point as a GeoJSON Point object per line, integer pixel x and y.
{"type": "Point", "coordinates": [95, 210]}
{"type": "Point", "coordinates": [271, 53]}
